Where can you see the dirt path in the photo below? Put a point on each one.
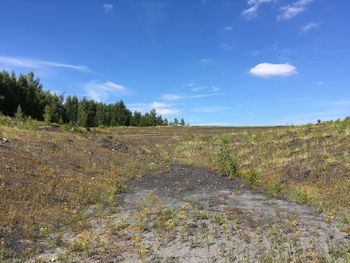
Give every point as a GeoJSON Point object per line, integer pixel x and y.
{"type": "Point", "coordinates": [194, 215]}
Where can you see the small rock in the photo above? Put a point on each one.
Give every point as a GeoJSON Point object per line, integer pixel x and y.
{"type": "Point", "coordinates": [53, 260]}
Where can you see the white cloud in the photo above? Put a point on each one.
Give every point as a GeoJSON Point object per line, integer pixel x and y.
{"type": "Point", "coordinates": [308, 27]}
{"type": "Point", "coordinates": [212, 89]}
{"type": "Point", "coordinates": [253, 6]}
{"type": "Point", "coordinates": [164, 108]}
{"type": "Point", "coordinates": [228, 28]}
{"type": "Point", "coordinates": [170, 97]}
{"type": "Point", "coordinates": [197, 96]}
{"type": "Point", "coordinates": [291, 10]}
{"type": "Point", "coordinates": [160, 107]}
{"type": "Point", "coordinates": [38, 64]}
{"type": "Point", "coordinates": [267, 70]}
{"type": "Point", "coordinates": [101, 91]}
{"type": "Point", "coordinates": [108, 7]}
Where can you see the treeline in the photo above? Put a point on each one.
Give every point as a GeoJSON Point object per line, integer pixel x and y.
{"type": "Point", "coordinates": [24, 95]}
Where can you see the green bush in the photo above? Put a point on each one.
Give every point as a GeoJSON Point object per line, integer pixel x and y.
{"type": "Point", "coordinates": [28, 124]}
{"type": "Point", "coordinates": [5, 121]}
{"type": "Point", "coordinates": [227, 160]}
{"type": "Point", "coordinates": [115, 188]}
{"type": "Point", "coordinates": [253, 177]}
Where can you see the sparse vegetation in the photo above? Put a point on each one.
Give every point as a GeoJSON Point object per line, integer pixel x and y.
{"type": "Point", "coordinates": [60, 182]}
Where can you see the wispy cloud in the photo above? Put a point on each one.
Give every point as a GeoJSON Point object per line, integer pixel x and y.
{"type": "Point", "coordinates": [228, 28]}
{"type": "Point", "coordinates": [199, 88]}
{"type": "Point", "coordinates": [108, 7]}
{"type": "Point", "coordinates": [253, 6]}
{"type": "Point", "coordinates": [160, 107]}
{"type": "Point", "coordinates": [165, 108]}
{"type": "Point", "coordinates": [170, 97]}
{"type": "Point", "coordinates": [204, 95]}
{"type": "Point", "coordinates": [308, 27]}
{"type": "Point", "coordinates": [293, 9]}
{"type": "Point", "coordinates": [213, 89]}
{"type": "Point", "coordinates": [38, 64]}
{"type": "Point", "coordinates": [267, 70]}
{"type": "Point", "coordinates": [102, 91]}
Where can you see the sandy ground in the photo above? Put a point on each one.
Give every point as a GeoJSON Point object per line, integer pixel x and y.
{"type": "Point", "coordinates": [194, 215]}
{"type": "Point", "coordinates": [221, 220]}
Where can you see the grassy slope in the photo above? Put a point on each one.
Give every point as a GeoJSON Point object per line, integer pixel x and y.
{"type": "Point", "coordinates": [49, 177]}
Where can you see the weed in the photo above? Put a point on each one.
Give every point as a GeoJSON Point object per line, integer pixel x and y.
{"type": "Point", "coordinates": [254, 177]}
{"type": "Point", "coordinates": [227, 160]}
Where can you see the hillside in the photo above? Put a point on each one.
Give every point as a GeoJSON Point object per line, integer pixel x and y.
{"type": "Point", "coordinates": [113, 193]}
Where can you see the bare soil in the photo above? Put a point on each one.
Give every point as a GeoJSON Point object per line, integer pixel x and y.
{"type": "Point", "coordinates": [224, 221]}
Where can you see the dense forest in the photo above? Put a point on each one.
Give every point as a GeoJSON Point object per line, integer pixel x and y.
{"type": "Point", "coordinates": [25, 95]}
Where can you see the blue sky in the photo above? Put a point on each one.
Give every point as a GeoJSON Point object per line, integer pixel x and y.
{"type": "Point", "coordinates": [215, 62]}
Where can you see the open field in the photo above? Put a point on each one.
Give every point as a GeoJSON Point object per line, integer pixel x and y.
{"type": "Point", "coordinates": [160, 194]}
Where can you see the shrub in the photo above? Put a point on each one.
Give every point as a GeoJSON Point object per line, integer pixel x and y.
{"type": "Point", "coordinates": [227, 159]}
{"type": "Point", "coordinates": [28, 124]}
{"type": "Point", "coordinates": [115, 188]}
{"type": "Point", "coordinates": [5, 121]}
{"type": "Point", "coordinates": [253, 177]}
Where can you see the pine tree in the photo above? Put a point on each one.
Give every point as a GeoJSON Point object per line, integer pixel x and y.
{"type": "Point", "coordinates": [182, 122]}
{"type": "Point", "coordinates": [136, 119]}
{"type": "Point", "coordinates": [72, 105]}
